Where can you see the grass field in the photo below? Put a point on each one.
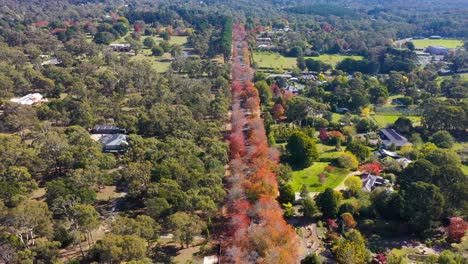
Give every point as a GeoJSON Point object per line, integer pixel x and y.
{"type": "Point", "coordinates": [448, 43]}
{"type": "Point", "coordinates": [463, 76]}
{"type": "Point", "coordinates": [275, 60]}
{"type": "Point", "coordinates": [383, 119]}
{"type": "Point", "coordinates": [310, 177]}
{"type": "Point", "coordinates": [179, 40]}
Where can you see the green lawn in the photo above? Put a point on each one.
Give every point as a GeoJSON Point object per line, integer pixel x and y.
{"type": "Point", "coordinates": [334, 59]}
{"type": "Point", "coordinates": [160, 64]}
{"type": "Point", "coordinates": [448, 43]}
{"type": "Point", "coordinates": [463, 76]}
{"type": "Point", "coordinates": [275, 60]}
{"type": "Point", "coordinates": [310, 177]}
{"type": "Point", "coordinates": [389, 118]}
{"type": "Point", "coordinates": [327, 153]}
{"type": "Point", "coordinates": [179, 40]}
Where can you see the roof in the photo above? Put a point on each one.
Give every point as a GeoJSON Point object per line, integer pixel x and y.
{"type": "Point", "coordinates": [389, 153]}
{"type": "Point", "coordinates": [370, 182]}
{"type": "Point", "coordinates": [210, 260]}
{"type": "Point", "coordinates": [53, 61]}
{"type": "Point", "coordinates": [29, 99]}
{"type": "Point", "coordinates": [106, 129]}
{"type": "Point", "coordinates": [404, 162]}
{"type": "Point", "coordinates": [114, 143]}
{"type": "Point", "coordinates": [391, 137]}
{"type": "Point", "coordinates": [279, 75]}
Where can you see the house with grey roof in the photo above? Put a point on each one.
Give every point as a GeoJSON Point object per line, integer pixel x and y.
{"type": "Point", "coordinates": [390, 137]}
{"type": "Point", "coordinates": [370, 182]}
{"type": "Point", "coordinates": [114, 143]}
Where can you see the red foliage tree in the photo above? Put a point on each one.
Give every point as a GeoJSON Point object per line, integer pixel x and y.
{"type": "Point", "coordinates": [457, 228]}
{"type": "Point", "coordinates": [373, 168]}
{"type": "Point", "coordinates": [331, 223]}
{"type": "Point", "coordinates": [278, 111]}
{"type": "Point", "coordinates": [323, 134]}
{"type": "Point", "coordinates": [287, 95]}
{"type": "Point", "coordinates": [137, 27]}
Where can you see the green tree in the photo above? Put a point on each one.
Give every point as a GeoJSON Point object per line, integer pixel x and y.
{"type": "Point", "coordinates": [309, 208]}
{"type": "Point", "coordinates": [443, 157]}
{"type": "Point", "coordinates": [117, 248]}
{"type": "Point", "coordinates": [351, 249]}
{"type": "Point", "coordinates": [328, 202]}
{"type": "Point", "coordinates": [264, 92]}
{"type": "Point", "coordinates": [29, 220]}
{"type": "Point", "coordinates": [149, 42]}
{"type": "Point", "coordinates": [449, 257]}
{"type": "Point", "coordinates": [311, 259]}
{"type": "Point", "coordinates": [403, 124]}
{"type": "Point", "coordinates": [354, 183]}
{"type": "Point", "coordinates": [185, 227]}
{"type": "Point", "coordinates": [422, 205]}
{"type": "Point", "coordinates": [142, 226]}
{"type": "Point", "coordinates": [360, 150]}
{"type": "Point", "coordinates": [348, 160]}
{"type": "Point", "coordinates": [157, 51]}
{"type": "Point", "coordinates": [84, 219]}
{"type": "Point", "coordinates": [287, 194]}
{"type": "Point", "coordinates": [442, 139]}
{"type": "Point", "coordinates": [302, 150]}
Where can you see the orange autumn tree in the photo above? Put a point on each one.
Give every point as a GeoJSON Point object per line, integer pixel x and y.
{"type": "Point", "coordinates": [257, 232]}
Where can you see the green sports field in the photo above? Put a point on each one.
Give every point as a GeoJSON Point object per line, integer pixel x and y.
{"type": "Point", "coordinates": [448, 43]}
{"type": "Point", "coordinates": [274, 60]}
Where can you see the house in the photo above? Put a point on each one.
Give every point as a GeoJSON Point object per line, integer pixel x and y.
{"type": "Point", "coordinates": [210, 260]}
{"type": "Point", "coordinates": [114, 143]}
{"type": "Point", "coordinates": [390, 137]}
{"type": "Point", "coordinates": [120, 47]}
{"type": "Point", "coordinates": [382, 153]}
{"type": "Point", "coordinates": [342, 110]}
{"type": "Point", "coordinates": [404, 162]}
{"type": "Point", "coordinates": [53, 61]}
{"type": "Point", "coordinates": [437, 50]}
{"type": "Point", "coordinates": [370, 182]}
{"type": "Point", "coordinates": [285, 76]}
{"type": "Point", "coordinates": [104, 129]}
{"type": "Point", "coordinates": [30, 99]}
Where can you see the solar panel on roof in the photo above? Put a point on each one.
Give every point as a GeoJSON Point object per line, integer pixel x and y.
{"type": "Point", "coordinates": [394, 134]}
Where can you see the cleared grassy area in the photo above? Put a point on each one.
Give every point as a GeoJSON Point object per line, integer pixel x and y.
{"type": "Point", "coordinates": [310, 177]}
{"type": "Point", "coordinates": [384, 119]}
{"type": "Point", "coordinates": [448, 43]}
{"type": "Point", "coordinates": [160, 63]}
{"type": "Point", "coordinates": [179, 40]}
{"type": "Point", "coordinates": [328, 153]}
{"type": "Point", "coordinates": [463, 76]}
{"type": "Point", "coordinates": [334, 59]}
{"type": "Point", "coordinates": [275, 60]}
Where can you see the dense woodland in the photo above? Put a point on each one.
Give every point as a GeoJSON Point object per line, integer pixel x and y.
{"type": "Point", "coordinates": [215, 144]}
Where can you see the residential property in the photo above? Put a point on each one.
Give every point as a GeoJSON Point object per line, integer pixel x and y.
{"type": "Point", "coordinates": [53, 61]}
{"type": "Point", "coordinates": [342, 110]}
{"type": "Point", "coordinates": [30, 99]}
{"type": "Point", "coordinates": [437, 50]}
{"type": "Point", "coordinates": [104, 129]}
{"type": "Point", "coordinates": [114, 143]}
{"type": "Point", "coordinates": [120, 47]}
{"type": "Point", "coordinates": [370, 182]}
{"type": "Point", "coordinates": [391, 138]}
